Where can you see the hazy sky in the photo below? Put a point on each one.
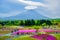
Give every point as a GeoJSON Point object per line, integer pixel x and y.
{"type": "Point", "coordinates": [48, 8]}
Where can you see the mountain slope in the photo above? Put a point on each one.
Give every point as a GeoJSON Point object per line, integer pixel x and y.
{"type": "Point", "coordinates": [26, 15]}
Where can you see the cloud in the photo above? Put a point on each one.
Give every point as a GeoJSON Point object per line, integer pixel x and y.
{"type": "Point", "coordinates": [10, 8]}
{"type": "Point", "coordinates": [30, 7]}
{"type": "Point", "coordinates": [31, 4]}
{"type": "Point", "coordinates": [53, 9]}
{"type": "Point", "coordinates": [49, 8]}
{"type": "Point", "coordinates": [53, 5]}
{"type": "Point", "coordinates": [13, 13]}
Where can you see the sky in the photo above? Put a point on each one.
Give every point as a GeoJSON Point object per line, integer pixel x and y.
{"type": "Point", "coordinates": [47, 8]}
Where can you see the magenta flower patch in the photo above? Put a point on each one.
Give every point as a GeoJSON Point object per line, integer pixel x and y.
{"type": "Point", "coordinates": [44, 37]}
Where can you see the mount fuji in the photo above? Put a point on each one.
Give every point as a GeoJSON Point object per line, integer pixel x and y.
{"type": "Point", "coordinates": [31, 14]}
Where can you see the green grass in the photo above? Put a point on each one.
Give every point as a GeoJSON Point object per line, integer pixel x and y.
{"type": "Point", "coordinates": [5, 32]}
{"type": "Point", "coordinates": [24, 38]}
{"type": "Point", "coordinates": [33, 27]}
{"type": "Point", "coordinates": [57, 36]}
{"type": "Point", "coordinates": [4, 37]}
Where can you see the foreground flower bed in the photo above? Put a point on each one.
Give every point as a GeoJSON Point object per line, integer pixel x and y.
{"type": "Point", "coordinates": [44, 37]}
{"type": "Point", "coordinates": [28, 37]}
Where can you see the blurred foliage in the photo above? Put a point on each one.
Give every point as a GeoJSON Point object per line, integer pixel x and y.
{"type": "Point", "coordinates": [27, 23]}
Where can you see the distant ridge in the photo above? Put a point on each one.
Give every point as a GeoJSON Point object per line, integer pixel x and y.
{"type": "Point", "coordinates": [26, 15]}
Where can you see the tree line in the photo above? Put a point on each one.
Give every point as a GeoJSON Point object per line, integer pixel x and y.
{"type": "Point", "coordinates": [26, 22]}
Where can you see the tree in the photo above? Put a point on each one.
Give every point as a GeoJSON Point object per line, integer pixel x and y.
{"type": "Point", "coordinates": [27, 23]}
{"type": "Point", "coordinates": [21, 23]}
{"type": "Point", "coordinates": [38, 22]}
{"type": "Point", "coordinates": [48, 22]}
{"type": "Point", "coordinates": [1, 26]}
{"type": "Point", "coordinates": [32, 22]}
{"type": "Point", "coordinates": [42, 22]}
